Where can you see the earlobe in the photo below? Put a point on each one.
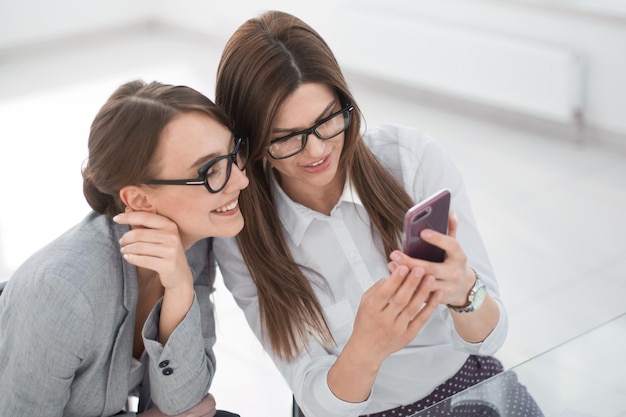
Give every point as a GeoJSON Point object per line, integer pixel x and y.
{"type": "Point", "coordinates": [136, 198]}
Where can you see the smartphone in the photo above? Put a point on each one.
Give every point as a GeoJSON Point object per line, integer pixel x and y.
{"type": "Point", "coordinates": [432, 213]}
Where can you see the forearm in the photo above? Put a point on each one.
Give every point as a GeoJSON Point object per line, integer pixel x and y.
{"type": "Point", "coordinates": [181, 370]}
{"type": "Point", "coordinates": [175, 306]}
{"type": "Point", "coordinates": [474, 327]}
{"type": "Point", "coordinates": [351, 378]}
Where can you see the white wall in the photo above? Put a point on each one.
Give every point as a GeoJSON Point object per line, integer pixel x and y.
{"type": "Point", "coordinates": [601, 41]}
{"type": "Point", "coordinates": [221, 21]}
{"type": "Point", "coordinates": [24, 22]}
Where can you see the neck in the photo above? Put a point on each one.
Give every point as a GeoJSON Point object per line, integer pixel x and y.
{"type": "Point", "coordinates": [147, 278]}
{"type": "Point", "coordinates": [150, 290]}
{"type": "Point", "coordinates": [321, 199]}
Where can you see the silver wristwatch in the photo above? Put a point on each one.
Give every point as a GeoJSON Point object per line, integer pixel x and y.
{"type": "Point", "coordinates": [475, 297]}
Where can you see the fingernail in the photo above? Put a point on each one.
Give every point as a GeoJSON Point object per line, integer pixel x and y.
{"type": "Point", "coordinates": [395, 256]}
{"type": "Point", "coordinates": [403, 270]}
{"type": "Point", "coordinates": [426, 233]}
{"type": "Point", "coordinates": [116, 218]}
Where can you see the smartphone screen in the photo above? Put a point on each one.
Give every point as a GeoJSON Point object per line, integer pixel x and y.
{"type": "Point", "coordinates": [432, 213]}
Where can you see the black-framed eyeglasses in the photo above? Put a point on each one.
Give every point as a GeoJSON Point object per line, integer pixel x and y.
{"type": "Point", "coordinates": [325, 129]}
{"type": "Point", "coordinates": [214, 175]}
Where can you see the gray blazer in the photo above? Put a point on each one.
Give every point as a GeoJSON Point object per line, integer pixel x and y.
{"type": "Point", "coordinates": [67, 319]}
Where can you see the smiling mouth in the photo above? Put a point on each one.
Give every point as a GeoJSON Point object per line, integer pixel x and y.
{"type": "Point", "coordinates": [318, 163]}
{"type": "Point", "coordinates": [233, 205]}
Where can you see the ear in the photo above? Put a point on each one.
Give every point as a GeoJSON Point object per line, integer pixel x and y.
{"type": "Point", "coordinates": [136, 198]}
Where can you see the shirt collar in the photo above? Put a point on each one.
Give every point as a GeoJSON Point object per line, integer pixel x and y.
{"type": "Point", "coordinates": [349, 194]}
{"type": "Point", "coordinates": [297, 218]}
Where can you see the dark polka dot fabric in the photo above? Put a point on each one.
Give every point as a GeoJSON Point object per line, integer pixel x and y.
{"type": "Point", "coordinates": [502, 397]}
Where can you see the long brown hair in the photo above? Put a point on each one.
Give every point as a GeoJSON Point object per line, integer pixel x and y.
{"type": "Point", "coordinates": [264, 62]}
{"type": "Point", "coordinates": [125, 133]}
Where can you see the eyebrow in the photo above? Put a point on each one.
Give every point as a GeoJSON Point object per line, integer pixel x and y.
{"type": "Point", "coordinates": [207, 158]}
{"type": "Point", "coordinates": [204, 159]}
{"type": "Point", "coordinates": [324, 113]}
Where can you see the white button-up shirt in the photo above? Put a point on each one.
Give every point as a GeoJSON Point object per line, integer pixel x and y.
{"type": "Point", "coordinates": [344, 250]}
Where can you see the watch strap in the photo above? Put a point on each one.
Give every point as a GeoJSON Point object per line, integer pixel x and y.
{"type": "Point", "coordinates": [473, 302]}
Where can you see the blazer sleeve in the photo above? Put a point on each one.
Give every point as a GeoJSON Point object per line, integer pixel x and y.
{"type": "Point", "coordinates": [181, 371]}
{"type": "Point", "coordinates": [39, 358]}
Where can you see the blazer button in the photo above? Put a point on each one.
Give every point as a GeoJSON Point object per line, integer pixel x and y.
{"type": "Point", "coordinates": [164, 364]}
{"type": "Point", "coordinates": [168, 371]}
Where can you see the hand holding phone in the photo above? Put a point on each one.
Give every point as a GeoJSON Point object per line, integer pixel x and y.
{"type": "Point", "coordinates": [432, 213]}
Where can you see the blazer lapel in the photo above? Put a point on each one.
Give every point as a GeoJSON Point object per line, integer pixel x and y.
{"type": "Point", "coordinates": [119, 372]}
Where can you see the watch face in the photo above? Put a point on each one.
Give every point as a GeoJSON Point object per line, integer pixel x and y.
{"type": "Point", "coordinates": [475, 299]}
{"type": "Point", "coordinates": [479, 297]}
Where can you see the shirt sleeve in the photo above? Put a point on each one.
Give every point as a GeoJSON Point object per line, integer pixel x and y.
{"type": "Point", "coordinates": [426, 169]}
{"type": "Point", "coordinates": [181, 371]}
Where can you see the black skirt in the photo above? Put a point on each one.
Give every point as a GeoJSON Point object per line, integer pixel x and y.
{"type": "Point", "coordinates": [509, 398]}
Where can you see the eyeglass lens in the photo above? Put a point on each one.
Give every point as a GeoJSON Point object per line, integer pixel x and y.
{"type": "Point", "coordinates": [330, 128]}
{"type": "Point", "coordinates": [217, 173]}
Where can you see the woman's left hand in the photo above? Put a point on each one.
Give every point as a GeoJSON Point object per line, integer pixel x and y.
{"type": "Point", "coordinates": [452, 276]}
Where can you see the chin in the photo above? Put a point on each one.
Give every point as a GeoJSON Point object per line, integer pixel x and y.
{"type": "Point", "coordinates": [231, 230]}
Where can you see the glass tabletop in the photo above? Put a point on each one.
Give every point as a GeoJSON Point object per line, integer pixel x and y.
{"type": "Point", "coordinates": [584, 377]}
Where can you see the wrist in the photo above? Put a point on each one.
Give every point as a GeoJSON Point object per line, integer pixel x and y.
{"type": "Point", "coordinates": [184, 290]}
{"type": "Point", "coordinates": [356, 357]}
{"type": "Point", "coordinates": [351, 378]}
{"type": "Point", "coordinates": [475, 297]}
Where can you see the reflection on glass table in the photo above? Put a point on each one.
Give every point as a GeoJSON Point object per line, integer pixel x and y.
{"type": "Point", "coordinates": [584, 377]}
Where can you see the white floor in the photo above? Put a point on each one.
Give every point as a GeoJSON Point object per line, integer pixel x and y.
{"type": "Point", "coordinates": [551, 210]}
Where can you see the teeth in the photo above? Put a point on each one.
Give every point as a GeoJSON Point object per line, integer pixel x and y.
{"type": "Point", "coordinates": [316, 163]}
{"type": "Point", "coordinates": [228, 207]}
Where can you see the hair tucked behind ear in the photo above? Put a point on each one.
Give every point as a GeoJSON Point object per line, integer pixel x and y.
{"type": "Point", "coordinates": [124, 136]}
{"type": "Point", "coordinates": [264, 62]}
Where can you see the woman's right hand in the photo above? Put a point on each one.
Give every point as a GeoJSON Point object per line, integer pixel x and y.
{"type": "Point", "coordinates": [390, 315]}
{"type": "Point", "coordinates": [393, 311]}
{"type": "Point", "coordinates": [154, 243]}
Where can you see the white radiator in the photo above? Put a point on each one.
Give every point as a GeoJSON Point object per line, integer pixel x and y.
{"type": "Point", "coordinates": [515, 74]}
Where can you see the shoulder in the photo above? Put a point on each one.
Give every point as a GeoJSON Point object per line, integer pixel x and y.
{"type": "Point", "coordinates": [44, 306]}
{"type": "Point", "coordinates": [390, 142]}
{"type": "Point", "coordinates": [390, 134]}
{"type": "Point", "coordinates": [85, 257]}
{"type": "Point", "coordinates": [404, 150]}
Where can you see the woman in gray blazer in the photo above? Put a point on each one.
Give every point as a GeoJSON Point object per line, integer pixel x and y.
{"type": "Point", "coordinates": [120, 303]}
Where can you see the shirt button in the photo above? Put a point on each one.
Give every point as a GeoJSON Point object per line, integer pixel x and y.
{"type": "Point", "coordinates": [168, 371]}
{"type": "Point", "coordinates": [164, 364]}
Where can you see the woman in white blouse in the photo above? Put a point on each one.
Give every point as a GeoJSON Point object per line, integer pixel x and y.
{"type": "Point", "coordinates": [324, 214]}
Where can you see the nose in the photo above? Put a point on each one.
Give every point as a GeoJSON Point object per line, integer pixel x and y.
{"type": "Point", "coordinates": [314, 146]}
{"type": "Point", "coordinates": [238, 180]}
